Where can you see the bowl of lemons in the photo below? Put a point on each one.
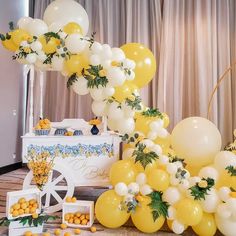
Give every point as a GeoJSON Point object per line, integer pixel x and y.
{"type": "Point", "coordinates": [43, 127]}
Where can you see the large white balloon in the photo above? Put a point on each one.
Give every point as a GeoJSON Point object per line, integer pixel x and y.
{"type": "Point", "coordinates": [23, 22]}
{"type": "Point", "coordinates": [197, 140]}
{"type": "Point", "coordinates": [126, 126]}
{"type": "Point", "coordinates": [75, 44]}
{"type": "Point", "coordinates": [211, 201]}
{"type": "Point", "coordinates": [97, 93]}
{"type": "Point", "coordinates": [115, 76]}
{"type": "Point", "coordinates": [80, 86]}
{"type": "Point", "coordinates": [209, 172]}
{"type": "Point", "coordinates": [226, 226]}
{"type": "Point", "coordinates": [37, 27]}
{"type": "Point", "coordinates": [171, 195]}
{"type": "Point", "coordinates": [57, 63]}
{"type": "Point", "coordinates": [115, 112]}
{"type": "Point", "coordinates": [67, 11]}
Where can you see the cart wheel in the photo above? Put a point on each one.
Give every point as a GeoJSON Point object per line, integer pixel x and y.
{"type": "Point", "coordinates": [59, 186]}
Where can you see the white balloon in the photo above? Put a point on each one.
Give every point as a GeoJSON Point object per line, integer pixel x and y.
{"type": "Point", "coordinates": [163, 159]}
{"type": "Point", "coordinates": [43, 67]}
{"type": "Point", "coordinates": [97, 93]}
{"type": "Point", "coordinates": [31, 58]}
{"type": "Point", "coordinates": [156, 125]}
{"type": "Point", "coordinates": [37, 27]}
{"type": "Point", "coordinates": [128, 197]}
{"type": "Point", "coordinates": [145, 189]}
{"type": "Point", "coordinates": [171, 213]}
{"type": "Point", "coordinates": [96, 48]}
{"type": "Point", "coordinates": [231, 204]}
{"type": "Point", "coordinates": [223, 211]}
{"type": "Point", "coordinates": [127, 63]}
{"type": "Point", "coordinates": [130, 76]}
{"type": "Point", "coordinates": [74, 43]}
{"type": "Point", "coordinates": [57, 63]}
{"type": "Point", "coordinates": [171, 195]}
{"type": "Point", "coordinates": [114, 112]}
{"type": "Point", "coordinates": [126, 126]}
{"type": "Point", "coordinates": [194, 180]}
{"type": "Point", "coordinates": [117, 54]}
{"type": "Point", "coordinates": [121, 189]}
{"type": "Point", "coordinates": [152, 135]}
{"type": "Point", "coordinates": [106, 64]}
{"type": "Point", "coordinates": [42, 56]}
{"type": "Point", "coordinates": [141, 179]}
{"type": "Point", "coordinates": [108, 91]}
{"type": "Point", "coordinates": [106, 52]}
{"type": "Point", "coordinates": [156, 148]}
{"type": "Point", "coordinates": [174, 181]}
{"type": "Point", "coordinates": [223, 193]}
{"type": "Point", "coordinates": [99, 108]}
{"type": "Point", "coordinates": [128, 111]}
{"type": "Point", "coordinates": [211, 201]}
{"type": "Point", "coordinates": [80, 86]}
{"type": "Point", "coordinates": [112, 124]}
{"type": "Point", "coordinates": [67, 11]}
{"type": "Point", "coordinates": [115, 76]}
{"type": "Point", "coordinates": [23, 22]}
{"type": "Point", "coordinates": [147, 142]}
{"type": "Point", "coordinates": [184, 185]}
{"type": "Point", "coordinates": [36, 46]}
{"type": "Point", "coordinates": [56, 26]}
{"type": "Point", "coordinates": [162, 133]}
{"type": "Point", "coordinates": [133, 188]}
{"type": "Point", "coordinates": [62, 35]}
{"type": "Point", "coordinates": [225, 226]}
{"type": "Point", "coordinates": [177, 227]}
{"type": "Point", "coordinates": [127, 153]}
{"type": "Point", "coordinates": [224, 159]}
{"type": "Point", "coordinates": [95, 60]}
{"type": "Point", "coordinates": [171, 168]}
{"type": "Point", "coordinates": [210, 172]}
{"type": "Point", "coordinates": [23, 44]}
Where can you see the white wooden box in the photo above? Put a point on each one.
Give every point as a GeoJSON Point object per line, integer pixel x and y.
{"type": "Point", "coordinates": [13, 197]}
{"type": "Point", "coordinates": [17, 229]}
{"type": "Point", "coordinates": [84, 207]}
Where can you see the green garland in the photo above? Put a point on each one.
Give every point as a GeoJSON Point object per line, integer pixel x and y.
{"type": "Point", "coordinates": [151, 112]}
{"type": "Point", "coordinates": [231, 170]}
{"type": "Point", "coordinates": [134, 104]}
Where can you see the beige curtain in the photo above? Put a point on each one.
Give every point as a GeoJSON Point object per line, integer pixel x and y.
{"type": "Point", "coordinates": [193, 41]}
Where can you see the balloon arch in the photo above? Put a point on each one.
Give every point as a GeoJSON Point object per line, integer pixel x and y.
{"type": "Point", "coordinates": [183, 177]}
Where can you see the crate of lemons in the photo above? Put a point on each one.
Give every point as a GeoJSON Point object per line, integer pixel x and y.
{"type": "Point", "coordinates": [43, 127]}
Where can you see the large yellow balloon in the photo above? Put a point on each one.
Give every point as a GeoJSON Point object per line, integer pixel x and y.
{"type": "Point", "coordinates": [163, 142]}
{"type": "Point", "coordinates": [123, 171]}
{"type": "Point", "coordinates": [145, 62]}
{"type": "Point", "coordinates": [206, 227]}
{"type": "Point", "coordinates": [73, 28]}
{"type": "Point", "coordinates": [147, 169]}
{"type": "Point", "coordinates": [189, 212]}
{"type": "Point", "coordinates": [143, 220]}
{"type": "Point", "coordinates": [76, 63]}
{"type": "Point", "coordinates": [158, 179]}
{"type": "Point", "coordinates": [108, 212]}
{"type": "Point", "coordinates": [20, 35]}
{"type": "Point", "coordinates": [142, 123]}
{"type": "Point", "coordinates": [197, 140]}
{"type": "Point", "coordinates": [49, 46]}
{"type": "Point", "coordinates": [193, 170]}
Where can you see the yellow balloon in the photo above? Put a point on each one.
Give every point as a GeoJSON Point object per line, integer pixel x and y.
{"type": "Point", "coordinates": [122, 92]}
{"type": "Point", "coordinates": [196, 140]}
{"type": "Point", "coordinates": [145, 62]}
{"type": "Point", "coordinates": [189, 212]}
{"type": "Point", "coordinates": [206, 227]}
{"type": "Point", "coordinates": [225, 179]}
{"type": "Point", "coordinates": [193, 170]}
{"type": "Point", "coordinates": [163, 142]}
{"type": "Point", "coordinates": [20, 35]}
{"type": "Point", "coordinates": [143, 220]}
{"type": "Point", "coordinates": [158, 179]}
{"type": "Point", "coordinates": [147, 169]}
{"type": "Point", "coordinates": [108, 212]}
{"type": "Point", "coordinates": [49, 46]}
{"type": "Point", "coordinates": [9, 45]}
{"type": "Point", "coordinates": [142, 123]}
{"type": "Point", "coordinates": [76, 63]}
{"type": "Point", "coordinates": [122, 171]}
{"type": "Point", "coordinates": [73, 28]}
{"type": "Point", "coordinates": [166, 120]}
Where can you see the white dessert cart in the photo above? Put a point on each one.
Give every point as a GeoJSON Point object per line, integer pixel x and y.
{"type": "Point", "coordinates": [81, 160]}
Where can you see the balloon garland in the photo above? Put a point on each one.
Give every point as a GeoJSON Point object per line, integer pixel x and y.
{"type": "Point", "coordinates": [182, 177]}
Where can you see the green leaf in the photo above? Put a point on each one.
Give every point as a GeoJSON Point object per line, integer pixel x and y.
{"type": "Point", "coordinates": [72, 79]}
{"type": "Point", "coordinates": [198, 192]}
{"type": "Point", "coordinates": [151, 112]}
{"type": "Point", "coordinates": [50, 35]}
{"type": "Point", "coordinates": [30, 221]}
{"type": "Point", "coordinates": [157, 205]}
{"type": "Point", "coordinates": [231, 170]}
{"type": "Point", "coordinates": [49, 58]}
{"type": "Point", "coordinates": [2, 37]}
{"type": "Point", "coordinates": [134, 104]}
{"type": "Point", "coordinates": [144, 157]}
{"type": "Point", "coordinates": [11, 25]}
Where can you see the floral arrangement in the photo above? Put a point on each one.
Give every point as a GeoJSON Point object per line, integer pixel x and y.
{"type": "Point", "coordinates": [41, 165]}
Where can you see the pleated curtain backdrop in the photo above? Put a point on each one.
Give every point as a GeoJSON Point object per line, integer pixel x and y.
{"type": "Point", "coordinates": [193, 42]}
